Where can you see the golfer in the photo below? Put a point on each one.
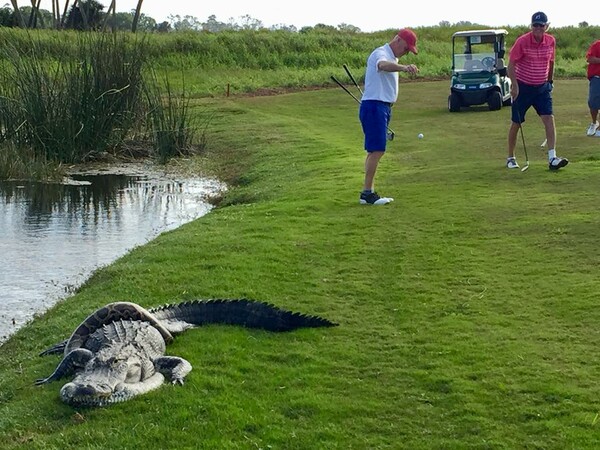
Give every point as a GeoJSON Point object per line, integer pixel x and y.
{"type": "Point", "coordinates": [531, 69]}
{"type": "Point", "coordinates": [380, 93]}
{"type": "Point", "coordinates": [593, 74]}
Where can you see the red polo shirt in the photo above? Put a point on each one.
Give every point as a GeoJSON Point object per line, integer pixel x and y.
{"type": "Point", "coordinates": [532, 59]}
{"type": "Point", "coordinates": [593, 69]}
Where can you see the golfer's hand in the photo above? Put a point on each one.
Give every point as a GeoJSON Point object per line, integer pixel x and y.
{"type": "Point", "coordinates": [514, 91]}
{"type": "Point", "coordinates": [412, 69]}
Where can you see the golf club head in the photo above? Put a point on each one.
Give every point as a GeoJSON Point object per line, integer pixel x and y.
{"type": "Point", "coordinates": [390, 136]}
{"type": "Point", "coordinates": [525, 167]}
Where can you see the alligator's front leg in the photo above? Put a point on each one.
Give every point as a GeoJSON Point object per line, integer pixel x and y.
{"type": "Point", "coordinates": [173, 368]}
{"type": "Point", "coordinates": [70, 364]}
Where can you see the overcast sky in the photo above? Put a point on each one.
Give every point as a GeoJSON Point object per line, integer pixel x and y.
{"type": "Point", "coordinates": [389, 14]}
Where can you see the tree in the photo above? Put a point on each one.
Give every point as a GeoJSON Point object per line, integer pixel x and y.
{"type": "Point", "coordinates": [185, 23]}
{"type": "Point", "coordinates": [250, 23]}
{"type": "Point", "coordinates": [163, 27]}
{"type": "Point", "coordinates": [349, 28]}
{"type": "Point", "coordinates": [213, 25]}
{"type": "Point", "coordinates": [283, 27]}
{"type": "Point", "coordinates": [86, 15]}
{"type": "Point", "coordinates": [7, 18]}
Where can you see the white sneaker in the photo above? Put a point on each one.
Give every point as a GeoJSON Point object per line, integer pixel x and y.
{"type": "Point", "coordinates": [511, 163]}
{"type": "Point", "coordinates": [591, 131]}
{"type": "Point", "coordinates": [374, 199]}
{"type": "Point", "coordinates": [557, 163]}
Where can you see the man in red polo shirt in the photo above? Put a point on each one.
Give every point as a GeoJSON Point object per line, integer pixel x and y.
{"type": "Point", "coordinates": [531, 68]}
{"type": "Point", "coordinates": [593, 74]}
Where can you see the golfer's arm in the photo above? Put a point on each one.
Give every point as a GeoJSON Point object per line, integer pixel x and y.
{"type": "Point", "coordinates": [510, 70]}
{"type": "Point", "coordinates": [551, 71]}
{"type": "Point", "coordinates": [389, 66]}
{"type": "Point", "coordinates": [593, 59]}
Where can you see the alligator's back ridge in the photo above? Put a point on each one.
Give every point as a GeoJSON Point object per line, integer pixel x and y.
{"type": "Point", "coordinates": [244, 312]}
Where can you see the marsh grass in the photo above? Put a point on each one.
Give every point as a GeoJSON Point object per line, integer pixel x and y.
{"type": "Point", "coordinates": [24, 164]}
{"type": "Point", "coordinates": [175, 131]}
{"type": "Point", "coordinates": [467, 308]}
{"type": "Point", "coordinates": [76, 107]}
{"type": "Point", "coordinates": [72, 109]}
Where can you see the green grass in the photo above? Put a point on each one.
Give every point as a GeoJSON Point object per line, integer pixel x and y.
{"type": "Point", "coordinates": [467, 308]}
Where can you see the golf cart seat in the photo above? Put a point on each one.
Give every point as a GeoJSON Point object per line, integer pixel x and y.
{"type": "Point", "coordinates": [473, 64]}
{"type": "Point", "coordinates": [501, 68]}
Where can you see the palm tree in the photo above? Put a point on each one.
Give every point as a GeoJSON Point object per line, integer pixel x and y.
{"type": "Point", "coordinates": [136, 17]}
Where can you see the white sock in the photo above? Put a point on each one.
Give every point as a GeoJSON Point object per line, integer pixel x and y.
{"type": "Point", "coordinates": [551, 154]}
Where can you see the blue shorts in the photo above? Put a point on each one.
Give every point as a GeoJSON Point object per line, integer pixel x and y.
{"type": "Point", "coordinates": [540, 97]}
{"type": "Point", "coordinates": [594, 93]}
{"type": "Point", "coordinates": [375, 117]}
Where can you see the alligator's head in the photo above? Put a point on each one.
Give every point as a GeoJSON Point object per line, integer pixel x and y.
{"type": "Point", "coordinates": [114, 374]}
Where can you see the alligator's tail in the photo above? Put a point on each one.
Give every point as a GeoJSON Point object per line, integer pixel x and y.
{"type": "Point", "coordinates": [247, 313]}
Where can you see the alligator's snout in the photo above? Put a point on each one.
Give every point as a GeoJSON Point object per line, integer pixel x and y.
{"type": "Point", "coordinates": [74, 390]}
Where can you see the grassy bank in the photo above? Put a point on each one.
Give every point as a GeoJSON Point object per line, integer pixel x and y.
{"type": "Point", "coordinates": [467, 308]}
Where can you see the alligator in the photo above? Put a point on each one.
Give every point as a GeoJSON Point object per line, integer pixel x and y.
{"type": "Point", "coordinates": [118, 352]}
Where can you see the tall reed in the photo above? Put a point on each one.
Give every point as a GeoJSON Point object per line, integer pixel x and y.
{"type": "Point", "coordinates": [169, 120]}
{"type": "Point", "coordinates": [72, 109]}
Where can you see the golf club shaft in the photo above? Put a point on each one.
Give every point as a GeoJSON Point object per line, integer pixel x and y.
{"type": "Point", "coordinates": [345, 88]}
{"type": "Point", "coordinates": [524, 146]}
{"type": "Point", "coordinates": [523, 139]}
{"type": "Point", "coordinates": [352, 78]}
{"type": "Point", "coordinates": [339, 83]}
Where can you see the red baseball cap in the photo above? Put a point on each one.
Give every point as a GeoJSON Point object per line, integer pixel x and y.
{"type": "Point", "coordinates": [410, 38]}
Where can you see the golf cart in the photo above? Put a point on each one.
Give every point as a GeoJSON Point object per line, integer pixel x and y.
{"type": "Point", "coordinates": [478, 72]}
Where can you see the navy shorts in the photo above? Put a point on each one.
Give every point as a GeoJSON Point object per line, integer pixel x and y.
{"type": "Point", "coordinates": [540, 97]}
{"type": "Point", "coordinates": [375, 117]}
{"type": "Point", "coordinates": [594, 93]}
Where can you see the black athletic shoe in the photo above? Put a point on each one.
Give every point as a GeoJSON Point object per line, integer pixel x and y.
{"type": "Point", "coordinates": [374, 199]}
{"type": "Point", "coordinates": [557, 163]}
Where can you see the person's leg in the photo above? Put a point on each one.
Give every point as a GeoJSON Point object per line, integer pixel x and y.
{"type": "Point", "coordinates": [549, 126]}
{"type": "Point", "coordinates": [543, 105]}
{"type": "Point", "coordinates": [518, 109]}
{"type": "Point", "coordinates": [513, 131]}
{"type": "Point", "coordinates": [374, 117]}
{"type": "Point", "coordinates": [371, 163]}
{"type": "Point", "coordinates": [594, 105]}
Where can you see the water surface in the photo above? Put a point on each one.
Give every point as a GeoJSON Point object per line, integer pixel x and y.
{"type": "Point", "coordinates": [53, 236]}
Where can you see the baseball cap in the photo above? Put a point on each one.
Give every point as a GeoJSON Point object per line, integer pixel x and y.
{"type": "Point", "coordinates": [539, 17]}
{"type": "Point", "coordinates": [410, 38]}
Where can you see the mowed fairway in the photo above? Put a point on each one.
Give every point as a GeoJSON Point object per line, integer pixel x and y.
{"type": "Point", "coordinates": [467, 309]}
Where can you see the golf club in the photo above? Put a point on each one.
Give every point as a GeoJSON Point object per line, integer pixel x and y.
{"type": "Point", "coordinates": [524, 149]}
{"type": "Point", "coordinates": [352, 78]}
{"type": "Point", "coordinates": [390, 134]}
{"type": "Point", "coordinates": [523, 139]}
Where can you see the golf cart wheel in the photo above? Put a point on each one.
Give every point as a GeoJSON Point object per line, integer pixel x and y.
{"type": "Point", "coordinates": [495, 101]}
{"type": "Point", "coordinates": [453, 102]}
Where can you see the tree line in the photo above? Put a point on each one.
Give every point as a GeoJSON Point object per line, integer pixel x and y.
{"type": "Point", "coordinates": [90, 14]}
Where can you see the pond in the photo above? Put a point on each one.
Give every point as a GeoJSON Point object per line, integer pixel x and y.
{"type": "Point", "coordinates": [53, 236]}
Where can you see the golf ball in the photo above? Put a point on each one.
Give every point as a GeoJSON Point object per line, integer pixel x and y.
{"type": "Point", "coordinates": [420, 135]}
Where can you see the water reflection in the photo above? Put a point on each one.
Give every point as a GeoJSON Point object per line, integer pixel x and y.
{"type": "Point", "coordinates": [52, 236]}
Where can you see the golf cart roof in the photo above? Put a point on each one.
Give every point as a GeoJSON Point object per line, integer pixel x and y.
{"type": "Point", "coordinates": [480, 33]}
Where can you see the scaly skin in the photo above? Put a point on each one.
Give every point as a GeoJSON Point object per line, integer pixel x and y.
{"type": "Point", "coordinates": [118, 352]}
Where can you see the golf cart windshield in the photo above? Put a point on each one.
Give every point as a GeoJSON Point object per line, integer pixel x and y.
{"type": "Point", "coordinates": [475, 62]}
{"type": "Point", "coordinates": [478, 51]}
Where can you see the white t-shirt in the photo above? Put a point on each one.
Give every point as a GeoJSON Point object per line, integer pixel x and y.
{"type": "Point", "coordinates": [380, 85]}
